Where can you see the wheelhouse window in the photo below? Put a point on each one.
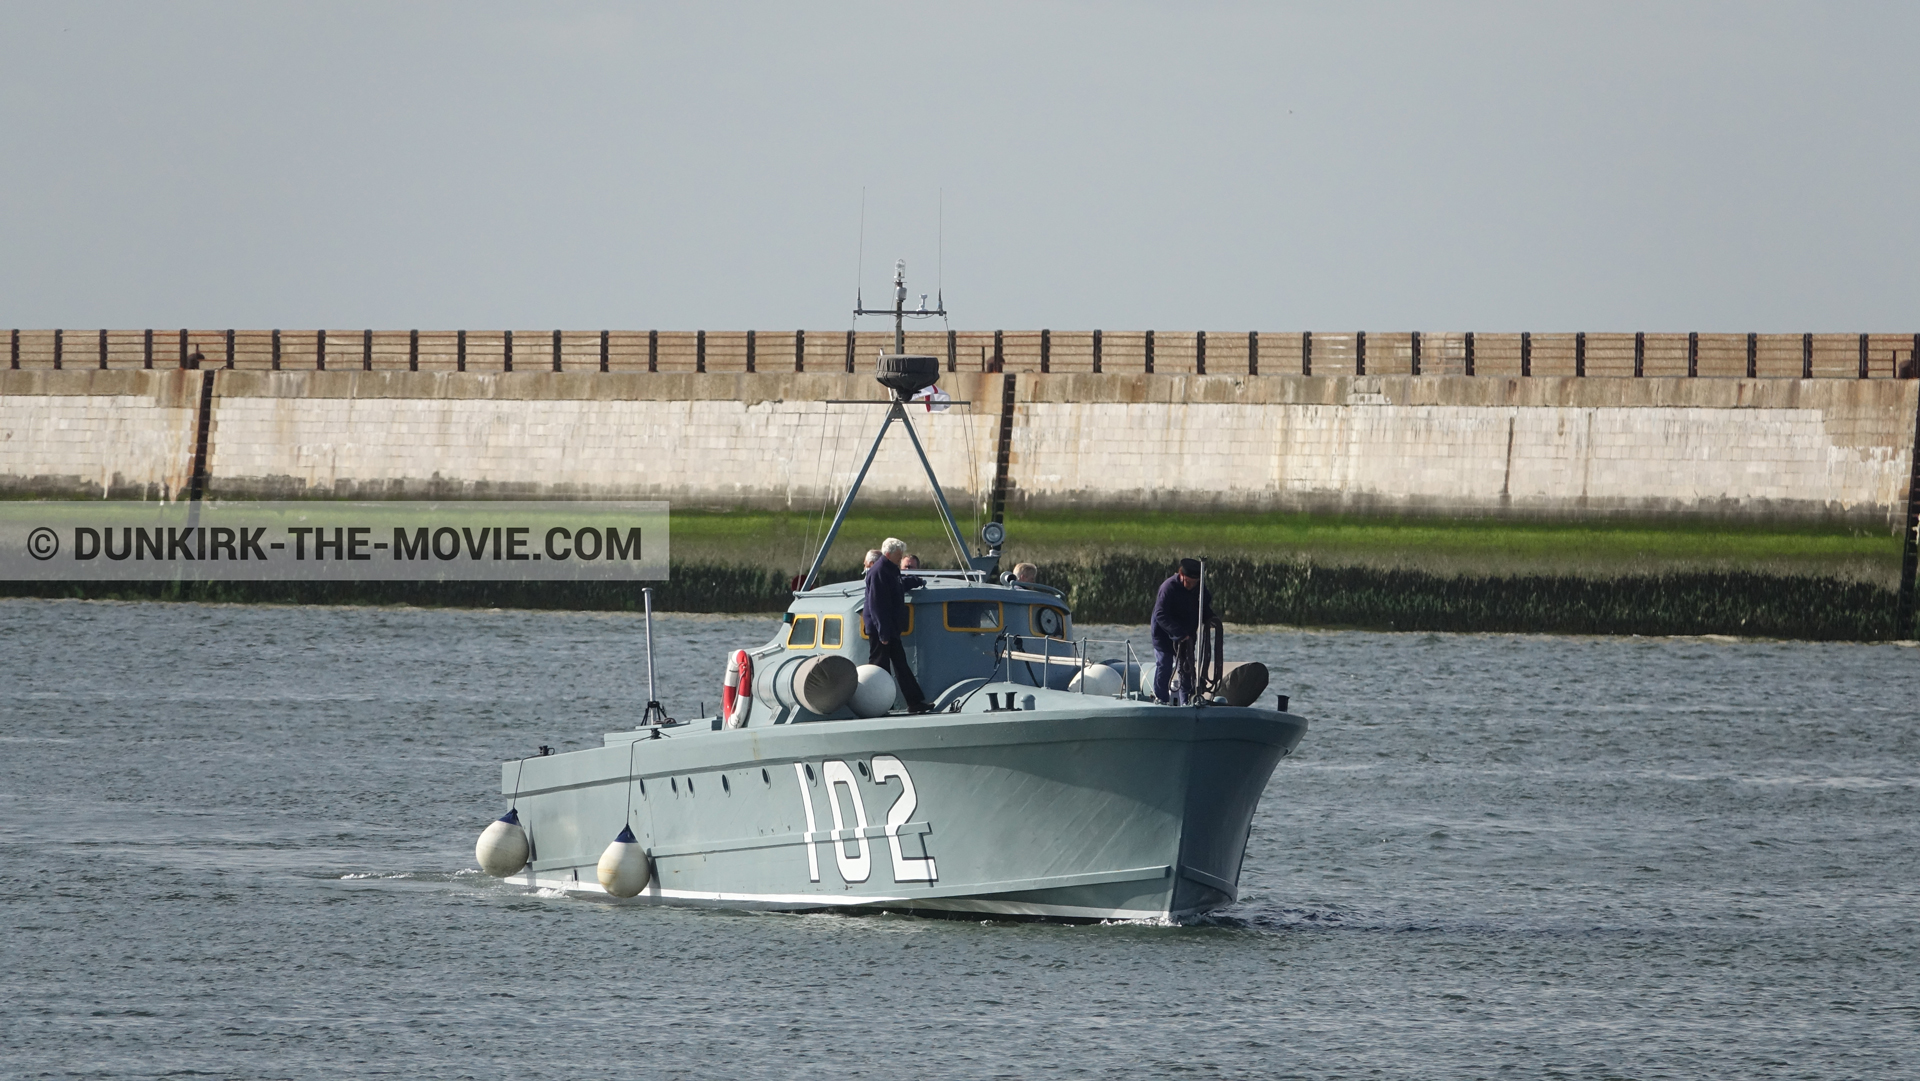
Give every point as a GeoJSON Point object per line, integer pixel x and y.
{"type": "Point", "coordinates": [830, 630]}
{"type": "Point", "coordinates": [975, 616]}
{"type": "Point", "coordinates": [801, 634]}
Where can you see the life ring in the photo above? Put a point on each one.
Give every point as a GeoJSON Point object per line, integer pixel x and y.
{"type": "Point", "coordinates": [736, 693]}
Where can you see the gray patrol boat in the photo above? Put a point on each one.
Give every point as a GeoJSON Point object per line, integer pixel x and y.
{"type": "Point", "coordinates": [1042, 782]}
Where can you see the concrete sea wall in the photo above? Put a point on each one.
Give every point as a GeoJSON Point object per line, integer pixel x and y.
{"type": "Point", "coordinates": [120, 433]}
{"type": "Point", "coordinates": [1775, 449]}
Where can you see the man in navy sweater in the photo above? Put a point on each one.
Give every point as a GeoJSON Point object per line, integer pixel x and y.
{"type": "Point", "coordinates": [1178, 613]}
{"type": "Point", "coordinates": [885, 619]}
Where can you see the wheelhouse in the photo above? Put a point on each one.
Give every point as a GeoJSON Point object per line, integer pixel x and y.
{"type": "Point", "coordinates": [959, 629]}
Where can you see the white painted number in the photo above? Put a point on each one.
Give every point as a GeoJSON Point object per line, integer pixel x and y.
{"type": "Point", "coordinates": [886, 766]}
{"type": "Point", "coordinates": [806, 800]}
{"type": "Point", "coordinates": [857, 866]}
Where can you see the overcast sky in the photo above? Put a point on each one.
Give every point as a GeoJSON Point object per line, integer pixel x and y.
{"type": "Point", "coordinates": [1714, 167]}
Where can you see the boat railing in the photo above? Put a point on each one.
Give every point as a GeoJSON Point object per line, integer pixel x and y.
{"type": "Point", "coordinates": [1072, 654]}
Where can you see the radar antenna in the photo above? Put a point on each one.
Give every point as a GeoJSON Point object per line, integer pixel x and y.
{"type": "Point", "coordinates": [899, 311]}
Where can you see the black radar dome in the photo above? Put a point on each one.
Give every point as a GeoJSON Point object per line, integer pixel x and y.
{"type": "Point", "coordinates": [906, 374]}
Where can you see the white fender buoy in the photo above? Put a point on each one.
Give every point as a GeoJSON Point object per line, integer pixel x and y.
{"type": "Point", "coordinates": [877, 690]}
{"type": "Point", "coordinates": [1097, 679]}
{"type": "Point", "coordinates": [736, 692]}
{"type": "Point", "coordinates": [502, 847]}
{"type": "Point", "coordinates": [623, 866]}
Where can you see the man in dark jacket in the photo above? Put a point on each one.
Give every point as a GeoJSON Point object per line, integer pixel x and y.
{"type": "Point", "coordinates": [885, 619]}
{"type": "Point", "coordinates": [1179, 611]}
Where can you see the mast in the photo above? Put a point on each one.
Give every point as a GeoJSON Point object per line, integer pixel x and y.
{"type": "Point", "coordinates": [899, 311]}
{"type": "Point", "coordinates": [899, 307]}
{"type": "Point", "coordinates": [904, 383]}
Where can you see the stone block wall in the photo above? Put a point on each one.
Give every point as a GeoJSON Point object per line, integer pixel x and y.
{"type": "Point", "coordinates": [1763, 449]}
{"type": "Point", "coordinates": [774, 441]}
{"type": "Point", "coordinates": [95, 434]}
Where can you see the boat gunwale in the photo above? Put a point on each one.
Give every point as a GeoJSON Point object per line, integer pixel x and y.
{"type": "Point", "coordinates": [762, 747]}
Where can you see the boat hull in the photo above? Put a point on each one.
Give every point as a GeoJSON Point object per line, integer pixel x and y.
{"type": "Point", "coordinates": [1119, 811]}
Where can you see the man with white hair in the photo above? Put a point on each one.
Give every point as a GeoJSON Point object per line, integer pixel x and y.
{"type": "Point", "coordinates": [873, 556]}
{"type": "Point", "coordinates": [885, 619]}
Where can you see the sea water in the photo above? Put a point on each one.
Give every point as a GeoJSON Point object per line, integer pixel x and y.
{"type": "Point", "coordinates": [238, 842]}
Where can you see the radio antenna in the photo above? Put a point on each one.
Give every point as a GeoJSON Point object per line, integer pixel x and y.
{"type": "Point", "coordinates": [860, 264]}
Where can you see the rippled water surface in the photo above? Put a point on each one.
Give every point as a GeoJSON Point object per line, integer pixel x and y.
{"type": "Point", "coordinates": [238, 842]}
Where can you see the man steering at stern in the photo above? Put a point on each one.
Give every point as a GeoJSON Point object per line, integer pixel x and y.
{"type": "Point", "coordinates": [1178, 613]}
{"type": "Point", "coordinates": [885, 618]}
